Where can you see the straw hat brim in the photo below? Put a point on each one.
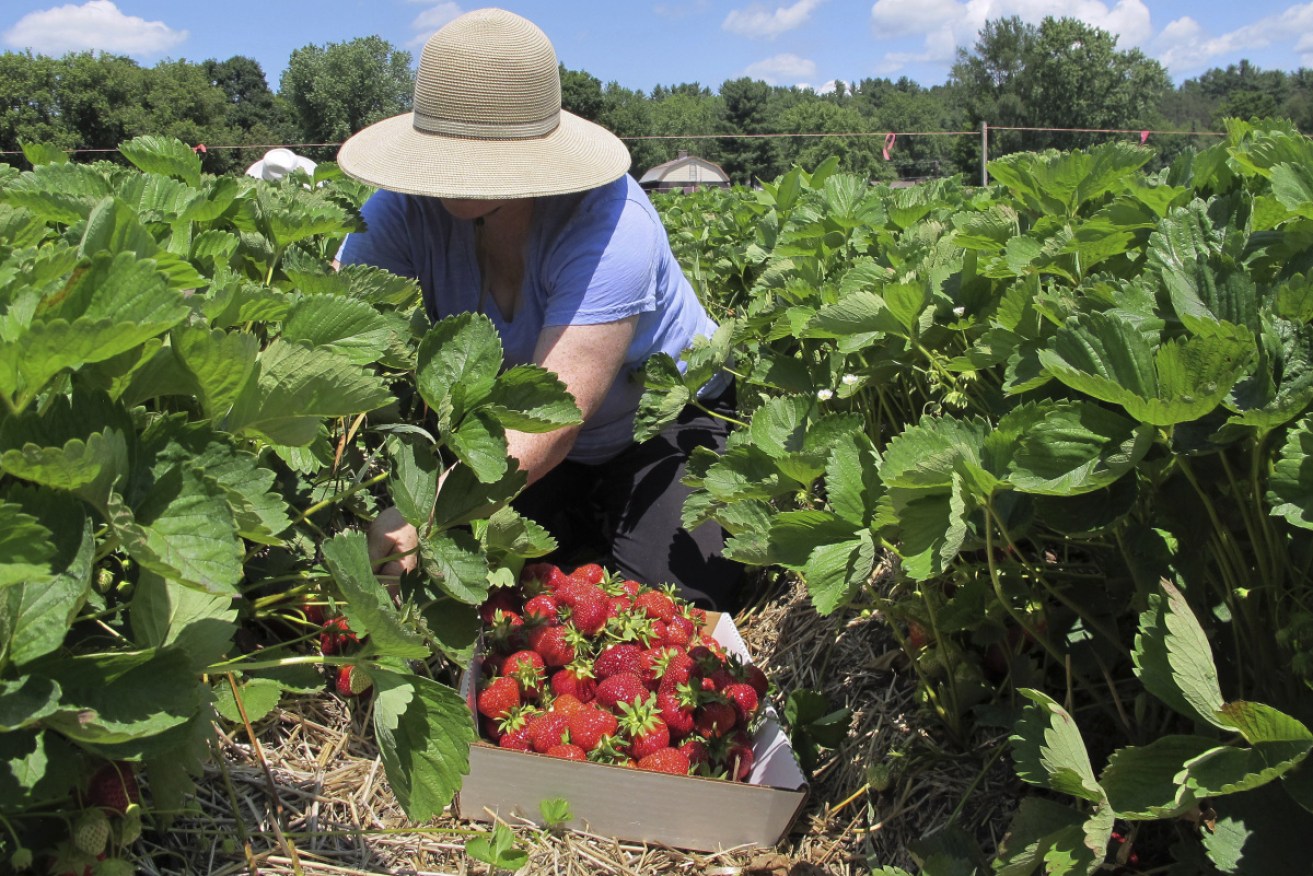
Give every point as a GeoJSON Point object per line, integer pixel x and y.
{"type": "Point", "coordinates": [576, 156]}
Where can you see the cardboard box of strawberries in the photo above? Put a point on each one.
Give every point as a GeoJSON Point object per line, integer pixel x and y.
{"type": "Point", "coordinates": [594, 689]}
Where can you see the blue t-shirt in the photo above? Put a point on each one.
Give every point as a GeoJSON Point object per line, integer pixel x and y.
{"type": "Point", "coordinates": [593, 257]}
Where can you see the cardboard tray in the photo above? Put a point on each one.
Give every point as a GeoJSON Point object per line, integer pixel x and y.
{"type": "Point", "coordinates": [685, 812]}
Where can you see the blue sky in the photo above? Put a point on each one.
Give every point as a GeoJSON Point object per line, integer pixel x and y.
{"type": "Point", "coordinates": [663, 42]}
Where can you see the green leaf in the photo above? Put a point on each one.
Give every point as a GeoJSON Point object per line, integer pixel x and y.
{"type": "Point", "coordinates": [1106, 355]}
{"type": "Point", "coordinates": [453, 626]}
{"type": "Point", "coordinates": [931, 452]}
{"type": "Point", "coordinates": [183, 531]}
{"type": "Point", "coordinates": [111, 698]}
{"type": "Point", "coordinates": [932, 527]}
{"type": "Point", "coordinates": [779, 426]}
{"type": "Point", "coordinates": [260, 696]}
{"type": "Point", "coordinates": [353, 329]}
{"type": "Point", "coordinates": [464, 498]}
{"type": "Point", "coordinates": [480, 443]}
{"type": "Point", "coordinates": [497, 849]}
{"type": "Point", "coordinates": [25, 546]}
{"type": "Point", "coordinates": [529, 398]}
{"type": "Point", "coordinates": [664, 396]}
{"type": "Point", "coordinates": [1047, 750]}
{"type": "Point", "coordinates": [835, 572]}
{"type": "Point", "coordinates": [852, 479]}
{"type": "Point", "coordinates": [1070, 448]}
{"type": "Point", "coordinates": [510, 532]}
{"type": "Point", "coordinates": [414, 482]}
{"type": "Point", "coordinates": [424, 731]}
{"type": "Point", "coordinates": [1223, 770]}
{"type": "Point", "coordinates": [36, 616]}
{"type": "Point", "coordinates": [1260, 833]}
{"type": "Point", "coordinates": [1144, 782]}
{"type": "Point", "coordinates": [165, 613]}
{"type": "Point", "coordinates": [368, 608]}
{"type": "Point", "coordinates": [453, 560]}
{"type": "Point", "coordinates": [1186, 251]}
{"type": "Point", "coordinates": [1290, 487]}
{"type": "Point", "coordinates": [1049, 838]}
{"type": "Point", "coordinates": [35, 767]}
{"type": "Point", "coordinates": [459, 358]}
{"type": "Point", "coordinates": [1173, 659]}
{"type": "Point", "coordinates": [164, 155]}
{"type": "Point", "coordinates": [219, 363]}
{"type": "Point", "coordinates": [295, 388]}
{"type": "Point", "coordinates": [26, 700]}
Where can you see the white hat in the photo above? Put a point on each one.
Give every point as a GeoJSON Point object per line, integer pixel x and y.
{"type": "Point", "coordinates": [278, 163]}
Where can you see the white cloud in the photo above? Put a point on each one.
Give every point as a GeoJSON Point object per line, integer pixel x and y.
{"type": "Point", "coordinates": [786, 67]}
{"type": "Point", "coordinates": [96, 25]}
{"type": "Point", "coordinates": [1185, 47]}
{"type": "Point", "coordinates": [759, 20]}
{"type": "Point", "coordinates": [947, 25]}
{"type": "Point", "coordinates": [430, 20]}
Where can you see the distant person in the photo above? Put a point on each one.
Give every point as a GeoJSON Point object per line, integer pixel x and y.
{"type": "Point", "coordinates": [278, 163]}
{"type": "Point", "coordinates": [501, 203]}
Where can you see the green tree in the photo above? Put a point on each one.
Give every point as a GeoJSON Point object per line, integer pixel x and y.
{"type": "Point", "coordinates": [747, 111]}
{"type": "Point", "coordinates": [339, 88]}
{"type": "Point", "coordinates": [1062, 74]}
{"type": "Point", "coordinates": [29, 105]}
{"type": "Point", "coordinates": [581, 94]}
{"type": "Point", "coordinates": [628, 114]}
{"type": "Point", "coordinates": [859, 155]}
{"type": "Point", "coordinates": [682, 111]}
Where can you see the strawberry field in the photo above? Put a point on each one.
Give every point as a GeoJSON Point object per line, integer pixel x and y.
{"type": "Point", "coordinates": [1046, 439]}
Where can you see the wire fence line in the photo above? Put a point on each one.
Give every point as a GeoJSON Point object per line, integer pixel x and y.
{"type": "Point", "coordinates": [1143, 133]}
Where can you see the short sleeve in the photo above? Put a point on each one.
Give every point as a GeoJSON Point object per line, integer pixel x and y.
{"type": "Point", "coordinates": [603, 267]}
{"type": "Point", "coordinates": [385, 242]}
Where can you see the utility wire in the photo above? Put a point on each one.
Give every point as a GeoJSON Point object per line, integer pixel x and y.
{"type": "Point", "coordinates": [1141, 132]}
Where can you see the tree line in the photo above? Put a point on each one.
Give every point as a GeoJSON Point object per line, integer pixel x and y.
{"type": "Point", "coordinates": [1061, 73]}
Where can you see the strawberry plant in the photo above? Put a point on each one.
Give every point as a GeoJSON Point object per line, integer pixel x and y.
{"type": "Point", "coordinates": [1042, 398]}
{"type": "Point", "coordinates": [198, 416]}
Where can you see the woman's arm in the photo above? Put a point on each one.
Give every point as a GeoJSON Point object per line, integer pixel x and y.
{"type": "Point", "coordinates": [587, 359]}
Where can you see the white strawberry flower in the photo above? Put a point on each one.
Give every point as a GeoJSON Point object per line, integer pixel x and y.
{"type": "Point", "coordinates": [849, 380]}
{"type": "Point", "coordinates": [825, 394]}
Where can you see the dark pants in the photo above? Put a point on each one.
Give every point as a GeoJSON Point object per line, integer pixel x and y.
{"type": "Point", "coordinates": [625, 513]}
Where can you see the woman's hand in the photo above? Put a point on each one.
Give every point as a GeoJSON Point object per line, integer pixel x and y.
{"type": "Point", "coordinates": [389, 535]}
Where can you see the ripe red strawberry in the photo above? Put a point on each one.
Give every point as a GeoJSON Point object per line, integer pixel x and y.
{"type": "Point", "coordinates": [739, 757]}
{"type": "Point", "coordinates": [516, 740]}
{"type": "Point", "coordinates": [589, 725]}
{"type": "Point", "coordinates": [552, 643]}
{"type": "Point", "coordinates": [337, 636]}
{"type": "Point", "coordinates": [506, 630]}
{"type": "Point", "coordinates": [114, 786]}
{"type": "Point", "coordinates": [630, 587]}
{"type": "Point", "coordinates": [528, 668]}
{"type": "Point", "coordinates": [676, 711]}
{"type": "Point", "coordinates": [500, 696]}
{"type": "Point", "coordinates": [623, 687]}
{"type": "Point", "coordinates": [672, 667]}
{"type": "Point", "coordinates": [350, 682]}
{"type": "Point", "coordinates": [314, 613]}
{"type": "Point", "coordinates": [743, 697]}
{"type": "Point", "coordinates": [590, 573]}
{"type": "Point", "coordinates": [500, 599]}
{"type": "Point", "coordinates": [655, 604]}
{"type": "Point", "coordinates": [589, 610]}
{"type": "Point", "coordinates": [696, 749]}
{"type": "Point", "coordinates": [755, 677]}
{"type": "Point", "coordinates": [623, 657]}
{"type": "Point", "coordinates": [643, 726]}
{"type": "Point", "coordinates": [575, 679]}
{"type": "Point", "coordinates": [567, 751]}
{"type": "Point", "coordinates": [549, 729]}
{"type": "Point", "coordinates": [679, 631]}
{"type": "Point", "coordinates": [513, 730]}
{"type": "Point", "coordinates": [542, 607]}
{"type": "Point", "coordinates": [538, 578]}
{"type": "Point", "coordinates": [567, 703]}
{"type": "Point", "coordinates": [714, 719]}
{"type": "Point", "coordinates": [666, 760]}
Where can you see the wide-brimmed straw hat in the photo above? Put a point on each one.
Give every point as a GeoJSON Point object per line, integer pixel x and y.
{"type": "Point", "coordinates": [487, 121]}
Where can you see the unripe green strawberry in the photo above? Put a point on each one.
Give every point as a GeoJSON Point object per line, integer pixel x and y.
{"type": "Point", "coordinates": [91, 832]}
{"type": "Point", "coordinates": [114, 867]}
{"type": "Point", "coordinates": [130, 826]}
{"type": "Point", "coordinates": [21, 859]}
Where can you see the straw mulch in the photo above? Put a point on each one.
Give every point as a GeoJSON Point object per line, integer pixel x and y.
{"type": "Point", "coordinates": [312, 795]}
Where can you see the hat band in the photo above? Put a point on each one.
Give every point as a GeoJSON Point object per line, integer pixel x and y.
{"type": "Point", "coordinates": [486, 130]}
